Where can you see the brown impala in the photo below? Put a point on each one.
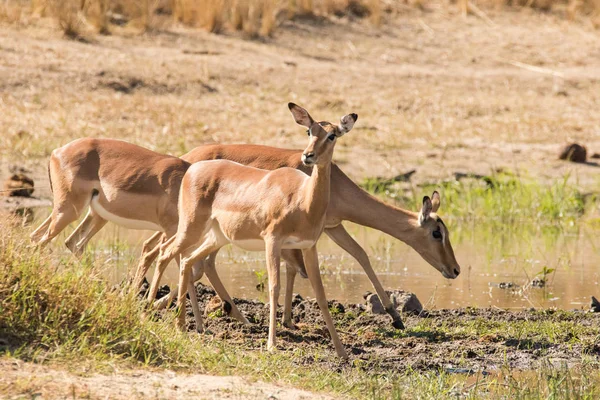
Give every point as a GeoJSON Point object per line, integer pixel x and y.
{"type": "Point", "coordinates": [135, 169]}
{"type": "Point", "coordinates": [222, 202]}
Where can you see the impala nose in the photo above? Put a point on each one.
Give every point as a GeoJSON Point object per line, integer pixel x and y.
{"type": "Point", "coordinates": [308, 158]}
{"type": "Point", "coordinates": [456, 272]}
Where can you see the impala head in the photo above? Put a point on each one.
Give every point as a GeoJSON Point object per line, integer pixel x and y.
{"type": "Point", "coordinates": [321, 135]}
{"type": "Point", "coordinates": [434, 241]}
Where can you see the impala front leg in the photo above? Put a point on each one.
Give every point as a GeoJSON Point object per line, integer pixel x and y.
{"type": "Point", "coordinates": [294, 263]}
{"type": "Point", "coordinates": [273, 256]}
{"type": "Point", "coordinates": [311, 261]}
{"type": "Point", "coordinates": [343, 239]}
{"type": "Point", "coordinates": [290, 276]}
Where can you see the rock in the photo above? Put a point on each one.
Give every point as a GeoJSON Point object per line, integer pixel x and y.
{"type": "Point", "coordinates": [595, 305]}
{"type": "Point", "coordinates": [538, 282]}
{"type": "Point", "coordinates": [213, 305]}
{"type": "Point", "coordinates": [18, 185]}
{"type": "Point", "coordinates": [405, 302]}
{"type": "Point", "coordinates": [573, 152]}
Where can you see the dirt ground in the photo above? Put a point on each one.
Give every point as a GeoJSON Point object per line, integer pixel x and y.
{"type": "Point", "coordinates": [372, 342]}
{"type": "Point", "coordinates": [433, 91]}
{"type": "Point", "coordinates": [20, 380]}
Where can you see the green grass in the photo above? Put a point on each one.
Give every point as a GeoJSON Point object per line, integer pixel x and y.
{"type": "Point", "coordinates": [499, 199]}
{"type": "Point", "coordinates": [56, 310]}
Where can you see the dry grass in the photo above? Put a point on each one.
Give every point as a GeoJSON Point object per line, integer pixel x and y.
{"type": "Point", "coordinates": [254, 18]}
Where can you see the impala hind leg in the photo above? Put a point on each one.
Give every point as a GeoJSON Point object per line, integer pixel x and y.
{"type": "Point", "coordinates": [37, 234]}
{"type": "Point", "coordinates": [150, 250]}
{"type": "Point", "coordinates": [197, 273]}
{"type": "Point", "coordinates": [311, 261]}
{"type": "Point", "coordinates": [78, 240]}
{"type": "Point", "coordinates": [62, 216]}
{"type": "Point", "coordinates": [343, 239]}
{"type": "Point", "coordinates": [168, 251]}
{"type": "Point", "coordinates": [185, 278]}
{"type": "Point", "coordinates": [215, 281]}
{"type": "Point", "coordinates": [195, 307]}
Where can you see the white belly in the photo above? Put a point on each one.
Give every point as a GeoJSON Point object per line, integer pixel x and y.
{"type": "Point", "coordinates": [259, 244]}
{"type": "Point", "coordinates": [124, 222]}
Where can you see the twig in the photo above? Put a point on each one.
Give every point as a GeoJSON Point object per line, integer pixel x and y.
{"type": "Point", "coordinates": [475, 10]}
{"type": "Point", "coordinates": [426, 27]}
{"type": "Point", "coordinates": [533, 68]}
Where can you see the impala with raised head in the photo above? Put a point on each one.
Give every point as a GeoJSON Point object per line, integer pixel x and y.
{"type": "Point", "coordinates": [222, 202]}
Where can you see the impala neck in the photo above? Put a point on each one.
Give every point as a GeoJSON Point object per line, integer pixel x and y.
{"type": "Point", "coordinates": [367, 210]}
{"type": "Point", "coordinates": [317, 192]}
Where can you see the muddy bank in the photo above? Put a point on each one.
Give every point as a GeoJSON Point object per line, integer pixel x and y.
{"type": "Point", "coordinates": [466, 338]}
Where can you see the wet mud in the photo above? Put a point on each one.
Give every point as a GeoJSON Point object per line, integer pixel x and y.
{"type": "Point", "coordinates": [450, 340]}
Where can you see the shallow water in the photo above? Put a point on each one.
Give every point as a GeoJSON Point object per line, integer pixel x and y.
{"type": "Point", "coordinates": [488, 259]}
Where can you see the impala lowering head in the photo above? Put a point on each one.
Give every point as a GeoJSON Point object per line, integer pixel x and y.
{"type": "Point", "coordinates": [434, 242]}
{"type": "Point", "coordinates": [321, 135]}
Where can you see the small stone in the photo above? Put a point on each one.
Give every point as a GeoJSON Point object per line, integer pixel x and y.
{"type": "Point", "coordinates": [538, 282]}
{"type": "Point", "coordinates": [573, 152]}
{"type": "Point", "coordinates": [374, 305]}
{"type": "Point", "coordinates": [213, 305]}
{"type": "Point", "coordinates": [406, 302]}
{"type": "Point", "coordinates": [19, 185]}
{"type": "Point", "coordinates": [595, 305]}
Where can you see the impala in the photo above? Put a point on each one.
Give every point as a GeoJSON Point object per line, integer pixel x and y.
{"type": "Point", "coordinates": [348, 202]}
{"type": "Point", "coordinates": [127, 184]}
{"type": "Point", "coordinates": [222, 202]}
{"type": "Point", "coordinates": [424, 231]}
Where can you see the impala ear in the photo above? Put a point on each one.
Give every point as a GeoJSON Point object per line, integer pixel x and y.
{"type": "Point", "coordinates": [426, 210]}
{"type": "Point", "coordinates": [301, 116]}
{"type": "Point", "coordinates": [346, 124]}
{"type": "Point", "coordinates": [435, 201]}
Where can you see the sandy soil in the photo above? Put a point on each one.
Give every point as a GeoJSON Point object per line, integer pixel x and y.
{"type": "Point", "coordinates": [433, 91]}
{"type": "Point", "coordinates": [20, 380]}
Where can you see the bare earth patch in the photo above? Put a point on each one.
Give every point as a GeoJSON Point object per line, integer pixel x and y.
{"type": "Point", "coordinates": [434, 92]}
{"type": "Point", "coordinates": [21, 380]}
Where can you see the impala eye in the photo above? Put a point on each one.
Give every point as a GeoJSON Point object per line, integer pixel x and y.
{"type": "Point", "coordinates": [437, 234]}
{"type": "Point", "coordinates": [331, 137]}
{"type": "Point", "coordinates": [308, 132]}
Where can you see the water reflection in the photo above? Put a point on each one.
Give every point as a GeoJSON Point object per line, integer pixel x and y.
{"type": "Point", "coordinates": [488, 256]}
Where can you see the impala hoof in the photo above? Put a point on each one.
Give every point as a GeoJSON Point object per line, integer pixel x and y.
{"type": "Point", "coordinates": [290, 325]}
{"type": "Point", "coordinates": [398, 324]}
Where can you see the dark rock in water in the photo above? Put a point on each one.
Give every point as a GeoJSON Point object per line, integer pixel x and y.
{"type": "Point", "coordinates": [504, 285]}
{"type": "Point", "coordinates": [406, 302]}
{"type": "Point", "coordinates": [595, 305]}
{"type": "Point", "coordinates": [538, 282]}
{"type": "Point", "coordinates": [573, 152]}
